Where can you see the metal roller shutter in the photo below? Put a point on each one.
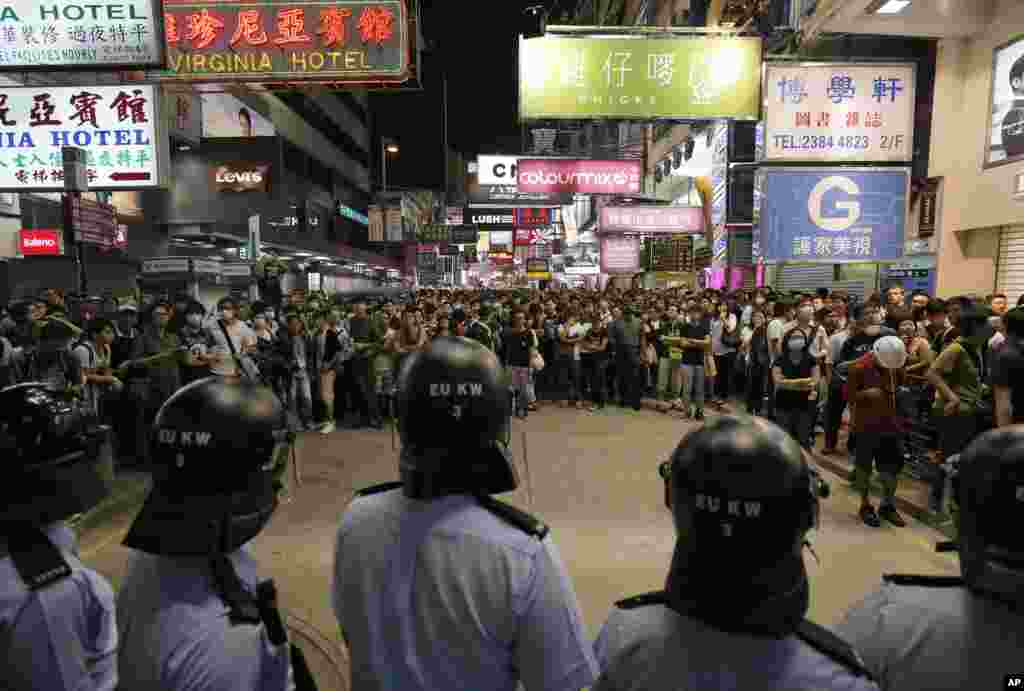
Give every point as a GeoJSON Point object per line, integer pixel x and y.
{"type": "Point", "coordinates": [804, 277]}
{"type": "Point", "coordinates": [1010, 269]}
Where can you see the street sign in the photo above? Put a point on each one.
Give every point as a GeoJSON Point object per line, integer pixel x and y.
{"type": "Point", "coordinates": [93, 223]}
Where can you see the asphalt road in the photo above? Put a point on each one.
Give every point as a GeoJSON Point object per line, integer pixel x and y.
{"type": "Point", "coordinates": [592, 478]}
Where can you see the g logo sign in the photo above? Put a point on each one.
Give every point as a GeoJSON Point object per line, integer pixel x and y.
{"type": "Point", "coordinates": [852, 208]}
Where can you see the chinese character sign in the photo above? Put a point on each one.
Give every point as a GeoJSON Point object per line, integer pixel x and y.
{"type": "Point", "coordinates": [692, 77]}
{"type": "Point", "coordinates": [839, 112]}
{"type": "Point", "coordinates": [356, 42]}
{"type": "Point", "coordinates": [61, 33]}
{"type": "Point", "coordinates": [652, 219]}
{"type": "Point", "coordinates": [620, 255]}
{"type": "Point", "coordinates": [114, 124]}
{"type": "Point", "coordinates": [834, 215]}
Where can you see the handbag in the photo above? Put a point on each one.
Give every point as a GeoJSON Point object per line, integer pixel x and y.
{"type": "Point", "coordinates": [536, 359]}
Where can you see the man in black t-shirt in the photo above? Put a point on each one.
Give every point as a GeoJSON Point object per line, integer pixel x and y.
{"type": "Point", "coordinates": [1008, 372]}
{"type": "Point", "coordinates": [696, 338]}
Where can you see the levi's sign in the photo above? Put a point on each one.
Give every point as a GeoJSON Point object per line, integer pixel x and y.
{"type": "Point", "coordinates": [241, 177]}
{"type": "Point", "coordinates": [580, 176]}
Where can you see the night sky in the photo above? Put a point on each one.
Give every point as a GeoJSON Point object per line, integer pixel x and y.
{"type": "Point", "coordinates": [475, 47]}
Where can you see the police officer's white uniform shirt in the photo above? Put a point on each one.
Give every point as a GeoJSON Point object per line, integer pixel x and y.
{"type": "Point", "coordinates": [176, 634]}
{"type": "Point", "coordinates": [445, 595]}
{"type": "Point", "coordinates": [935, 638]}
{"type": "Point", "coordinates": [63, 636]}
{"type": "Point", "coordinates": [653, 648]}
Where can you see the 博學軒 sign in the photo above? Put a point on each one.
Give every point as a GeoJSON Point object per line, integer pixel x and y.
{"type": "Point", "coordinates": [652, 219]}
{"type": "Point", "coordinates": [115, 125]}
{"type": "Point", "coordinates": [38, 34]}
{"type": "Point", "coordinates": [839, 111]}
{"type": "Point", "coordinates": [286, 40]}
{"type": "Point", "coordinates": [647, 78]}
{"type": "Point", "coordinates": [833, 215]}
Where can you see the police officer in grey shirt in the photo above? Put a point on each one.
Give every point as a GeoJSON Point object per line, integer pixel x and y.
{"type": "Point", "coordinates": [57, 627]}
{"type": "Point", "coordinates": [732, 613]}
{"type": "Point", "coordinates": [437, 585]}
{"type": "Point", "coordinates": [944, 633]}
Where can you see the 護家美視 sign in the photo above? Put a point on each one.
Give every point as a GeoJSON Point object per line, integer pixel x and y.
{"type": "Point", "coordinates": [839, 112]}
{"type": "Point", "coordinates": [286, 40]}
{"type": "Point", "coordinates": [644, 78]}
{"type": "Point", "coordinates": [116, 125]}
{"type": "Point", "coordinates": [652, 219]}
{"type": "Point", "coordinates": [55, 34]}
{"type": "Point", "coordinates": [833, 215]}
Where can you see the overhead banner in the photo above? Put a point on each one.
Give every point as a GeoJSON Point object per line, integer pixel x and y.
{"type": "Point", "coordinates": [496, 170]}
{"type": "Point", "coordinates": [493, 218]}
{"type": "Point", "coordinates": [580, 176]}
{"type": "Point", "coordinates": [833, 215]}
{"type": "Point", "coordinates": [48, 34]}
{"type": "Point", "coordinates": [698, 77]}
{"type": "Point", "coordinates": [286, 40]}
{"type": "Point", "coordinates": [620, 255]}
{"type": "Point", "coordinates": [116, 126]}
{"type": "Point", "coordinates": [839, 111]}
{"type": "Point", "coordinates": [652, 219]}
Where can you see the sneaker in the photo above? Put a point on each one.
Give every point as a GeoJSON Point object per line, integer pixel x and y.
{"type": "Point", "coordinates": [699, 415]}
{"type": "Point", "coordinates": [868, 515]}
{"type": "Point", "coordinates": [328, 428]}
{"type": "Point", "coordinates": [890, 514]}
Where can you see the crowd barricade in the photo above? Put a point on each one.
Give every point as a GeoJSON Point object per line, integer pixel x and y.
{"type": "Point", "coordinates": [921, 431]}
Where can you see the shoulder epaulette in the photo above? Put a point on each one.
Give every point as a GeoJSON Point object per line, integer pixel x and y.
{"type": "Point", "coordinates": [377, 489]}
{"type": "Point", "coordinates": [656, 597]}
{"type": "Point", "coordinates": [925, 581]}
{"type": "Point", "coordinates": [510, 514]}
{"type": "Point", "coordinates": [832, 646]}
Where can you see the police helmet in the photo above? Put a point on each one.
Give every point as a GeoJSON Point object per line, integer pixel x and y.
{"type": "Point", "coordinates": [742, 498]}
{"type": "Point", "coordinates": [990, 493]}
{"type": "Point", "coordinates": [219, 451]}
{"type": "Point", "coordinates": [59, 463]}
{"type": "Point", "coordinates": [453, 411]}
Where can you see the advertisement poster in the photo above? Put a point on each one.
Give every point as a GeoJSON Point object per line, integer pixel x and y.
{"type": "Point", "coordinates": [834, 215]}
{"type": "Point", "coordinates": [1005, 139]}
{"type": "Point", "coordinates": [285, 40]}
{"type": "Point", "coordinates": [696, 77]}
{"type": "Point", "coordinates": [226, 116]}
{"type": "Point", "coordinates": [620, 255]}
{"type": "Point", "coordinates": [580, 176]}
{"type": "Point", "coordinates": [116, 126]}
{"type": "Point", "coordinates": [839, 112]}
{"type": "Point", "coordinates": [61, 33]}
{"type": "Point", "coordinates": [652, 219]}
{"type": "Point", "coordinates": [496, 170]}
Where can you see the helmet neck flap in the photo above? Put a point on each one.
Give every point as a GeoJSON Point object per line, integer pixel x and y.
{"type": "Point", "coordinates": [432, 473]}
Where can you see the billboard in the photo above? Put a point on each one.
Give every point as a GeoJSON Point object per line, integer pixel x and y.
{"type": "Point", "coordinates": [496, 170]}
{"type": "Point", "coordinates": [286, 41]}
{"type": "Point", "coordinates": [240, 177]}
{"type": "Point", "coordinates": [226, 116]}
{"type": "Point", "coordinates": [37, 242]}
{"type": "Point", "coordinates": [833, 215]}
{"type": "Point", "coordinates": [555, 175]}
{"type": "Point", "coordinates": [698, 77]}
{"type": "Point", "coordinates": [839, 111]}
{"type": "Point", "coordinates": [1004, 139]}
{"type": "Point", "coordinates": [117, 126]}
{"type": "Point", "coordinates": [65, 34]}
{"type": "Point", "coordinates": [652, 219]}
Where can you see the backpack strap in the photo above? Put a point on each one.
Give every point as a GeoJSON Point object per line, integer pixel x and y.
{"type": "Point", "coordinates": [655, 597]}
{"type": "Point", "coordinates": [377, 489]}
{"type": "Point", "coordinates": [37, 560]}
{"type": "Point", "coordinates": [510, 514]}
{"type": "Point", "coordinates": [833, 647]}
{"type": "Point", "coordinates": [925, 581]}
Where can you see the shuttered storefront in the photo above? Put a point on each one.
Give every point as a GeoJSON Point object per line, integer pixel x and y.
{"type": "Point", "coordinates": [804, 277]}
{"type": "Point", "coordinates": [1010, 267]}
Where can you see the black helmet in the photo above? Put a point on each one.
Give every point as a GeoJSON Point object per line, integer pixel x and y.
{"type": "Point", "coordinates": [743, 497]}
{"type": "Point", "coordinates": [218, 452]}
{"type": "Point", "coordinates": [990, 493]}
{"type": "Point", "coordinates": [62, 464]}
{"type": "Point", "coordinates": [453, 412]}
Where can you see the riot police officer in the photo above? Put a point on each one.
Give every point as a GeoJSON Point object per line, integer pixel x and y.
{"type": "Point", "coordinates": [57, 628]}
{"type": "Point", "coordinates": [437, 585]}
{"type": "Point", "coordinates": [192, 610]}
{"type": "Point", "coordinates": [732, 613]}
{"type": "Point", "coordinates": [967, 632]}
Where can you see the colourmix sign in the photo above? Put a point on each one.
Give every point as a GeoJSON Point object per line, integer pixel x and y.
{"type": "Point", "coordinates": [834, 215]}
{"type": "Point", "coordinates": [580, 176]}
{"type": "Point", "coordinates": [115, 125]}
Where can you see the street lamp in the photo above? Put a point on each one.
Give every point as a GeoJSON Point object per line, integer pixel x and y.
{"type": "Point", "coordinates": [387, 146]}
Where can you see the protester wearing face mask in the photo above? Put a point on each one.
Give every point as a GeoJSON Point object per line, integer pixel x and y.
{"type": "Point", "coordinates": [230, 358]}
{"type": "Point", "coordinates": [195, 339]}
{"type": "Point", "coordinates": [796, 376]}
{"type": "Point", "coordinates": [874, 382]}
{"type": "Point", "coordinates": [919, 353]}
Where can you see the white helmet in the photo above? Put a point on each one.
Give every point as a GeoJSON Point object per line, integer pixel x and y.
{"type": "Point", "coordinates": [890, 352]}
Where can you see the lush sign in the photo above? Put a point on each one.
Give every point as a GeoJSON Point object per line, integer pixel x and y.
{"type": "Point", "coordinates": [834, 215]}
{"type": "Point", "coordinates": [115, 125]}
{"type": "Point", "coordinates": [839, 112]}
{"type": "Point", "coordinates": [63, 33]}
{"type": "Point", "coordinates": [643, 78]}
{"type": "Point", "coordinates": [340, 41]}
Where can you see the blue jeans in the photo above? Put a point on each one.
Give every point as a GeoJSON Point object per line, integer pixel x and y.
{"type": "Point", "coordinates": [693, 385]}
{"type": "Point", "coordinates": [300, 398]}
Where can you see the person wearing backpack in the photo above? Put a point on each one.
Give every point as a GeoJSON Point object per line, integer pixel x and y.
{"type": "Point", "coordinates": [93, 356]}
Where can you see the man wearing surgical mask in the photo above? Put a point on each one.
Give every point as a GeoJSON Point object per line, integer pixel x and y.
{"type": "Point", "coordinates": [225, 356]}
{"type": "Point", "coordinates": [197, 341]}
